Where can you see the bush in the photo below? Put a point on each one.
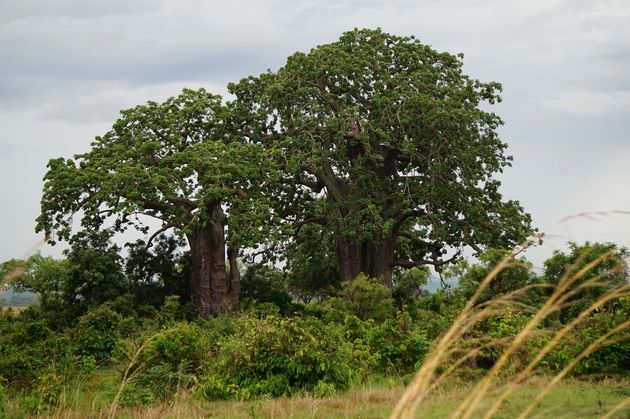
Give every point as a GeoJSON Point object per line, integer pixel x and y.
{"type": "Point", "coordinates": [363, 297]}
{"type": "Point", "coordinates": [613, 357]}
{"type": "Point", "coordinates": [97, 333]}
{"type": "Point", "coordinates": [181, 345]}
{"type": "Point", "coordinates": [3, 397]}
{"type": "Point", "coordinates": [157, 383]}
{"type": "Point", "coordinates": [400, 344]}
{"type": "Point", "coordinates": [266, 284]}
{"type": "Point", "coordinates": [273, 356]}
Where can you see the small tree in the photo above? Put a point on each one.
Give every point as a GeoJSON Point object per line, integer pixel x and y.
{"type": "Point", "coordinates": [311, 263]}
{"type": "Point", "coordinates": [158, 271]}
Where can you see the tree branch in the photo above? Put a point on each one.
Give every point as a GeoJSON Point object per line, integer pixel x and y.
{"type": "Point", "coordinates": [297, 226]}
{"type": "Point", "coordinates": [405, 216]}
{"type": "Point", "coordinates": [156, 205]}
{"type": "Point", "coordinates": [422, 262]}
{"type": "Point", "coordinates": [314, 185]}
{"type": "Point", "coordinates": [161, 230]}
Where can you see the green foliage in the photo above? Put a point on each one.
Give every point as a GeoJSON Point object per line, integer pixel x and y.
{"type": "Point", "coordinates": [3, 397]}
{"type": "Point", "coordinates": [611, 271]}
{"type": "Point", "coordinates": [23, 344]}
{"type": "Point", "coordinates": [95, 273]}
{"type": "Point", "coordinates": [613, 357]}
{"type": "Point", "coordinates": [42, 275]}
{"type": "Point", "coordinates": [401, 345]}
{"type": "Point", "coordinates": [311, 263]}
{"type": "Point", "coordinates": [364, 297]}
{"type": "Point", "coordinates": [516, 275]}
{"type": "Point", "coordinates": [266, 284]}
{"type": "Point", "coordinates": [408, 284]}
{"type": "Point", "coordinates": [97, 333]}
{"type": "Point", "coordinates": [181, 345]}
{"type": "Point", "coordinates": [395, 137]}
{"type": "Point", "coordinates": [275, 356]}
{"type": "Point", "coordinates": [158, 382]}
{"type": "Point", "coordinates": [158, 271]}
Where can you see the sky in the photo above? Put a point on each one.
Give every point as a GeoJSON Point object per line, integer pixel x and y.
{"type": "Point", "coordinates": [69, 66]}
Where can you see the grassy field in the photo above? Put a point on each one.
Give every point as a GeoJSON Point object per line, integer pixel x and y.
{"type": "Point", "coordinates": [572, 399]}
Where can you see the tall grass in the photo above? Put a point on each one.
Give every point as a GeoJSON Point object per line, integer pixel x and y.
{"type": "Point", "coordinates": [430, 376]}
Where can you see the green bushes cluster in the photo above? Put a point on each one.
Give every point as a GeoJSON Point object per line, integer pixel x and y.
{"type": "Point", "coordinates": [359, 331]}
{"type": "Point", "coordinates": [272, 356]}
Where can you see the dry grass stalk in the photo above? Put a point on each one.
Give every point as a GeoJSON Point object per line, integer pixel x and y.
{"type": "Point", "coordinates": [129, 374]}
{"type": "Point", "coordinates": [586, 352]}
{"type": "Point", "coordinates": [617, 408]}
{"type": "Point", "coordinates": [616, 293]}
{"type": "Point", "coordinates": [426, 381]}
{"type": "Point", "coordinates": [420, 387]}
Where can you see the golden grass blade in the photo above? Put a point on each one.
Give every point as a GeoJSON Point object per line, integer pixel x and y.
{"type": "Point", "coordinates": [420, 386]}
{"type": "Point", "coordinates": [614, 294]}
{"type": "Point", "coordinates": [586, 352]}
{"type": "Point", "coordinates": [617, 408]}
{"type": "Point", "coordinates": [470, 404]}
{"type": "Point", "coordinates": [129, 374]}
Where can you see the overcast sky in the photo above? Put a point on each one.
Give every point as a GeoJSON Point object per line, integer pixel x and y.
{"type": "Point", "coordinates": [68, 67]}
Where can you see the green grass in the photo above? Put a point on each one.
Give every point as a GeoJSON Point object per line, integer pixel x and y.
{"type": "Point", "coordinates": [572, 399]}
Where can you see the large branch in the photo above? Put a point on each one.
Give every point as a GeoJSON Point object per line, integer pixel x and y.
{"type": "Point", "coordinates": [314, 185]}
{"type": "Point", "coordinates": [180, 200]}
{"type": "Point", "coordinates": [156, 205]}
{"type": "Point", "coordinates": [297, 225]}
{"type": "Point", "coordinates": [404, 216]}
{"type": "Point", "coordinates": [475, 247]}
{"type": "Point", "coordinates": [161, 230]}
{"type": "Point", "coordinates": [422, 262]}
{"type": "Point", "coordinates": [327, 177]}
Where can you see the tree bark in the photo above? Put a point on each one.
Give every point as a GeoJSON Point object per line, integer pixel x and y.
{"type": "Point", "coordinates": [376, 260]}
{"type": "Point", "coordinates": [234, 287]}
{"type": "Point", "coordinates": [208, 282]}
{"type": "Point", "coordinates": [348, 258]}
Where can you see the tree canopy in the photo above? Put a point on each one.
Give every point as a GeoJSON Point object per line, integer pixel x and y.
{"type": "Point", "coordinates": [381, 141]}
{"type": "Point", "coordinates": [179, 162]}
{"type": "Point", "coordinates": [393, 135]}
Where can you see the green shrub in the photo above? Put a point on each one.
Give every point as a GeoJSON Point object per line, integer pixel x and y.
{"type": "Point", "coordinates": [272, 356]}
{"type": "Point", "coordinates": [157, 383]}
{"type": "Point", "coordinates": [50, 388]}
{"type": "Point", "coordinates": [181, 344]}
{"type": "Point", "coordinates": [613, 357]}
{"type": "Point", "coordinates": [97, 332]}
{"type": "Point", "coordinates": [4, 399]}
{"type": "Point", "coordinates": [363, 297]}
{"type": "Point", "coordinates": [400, 344]}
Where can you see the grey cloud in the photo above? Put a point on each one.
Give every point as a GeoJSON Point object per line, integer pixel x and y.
{"type": "Point", "coordinates": [75, 8]}
{"type": "Point", "coordinates": [68, 66]}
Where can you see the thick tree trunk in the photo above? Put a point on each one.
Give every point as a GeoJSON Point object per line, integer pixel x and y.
{"type": "Point", "coordinates": [208, 282]}
{"type": "Point", "coordinates": [349, 261]}
{"type": "Point", "coordinates": [378, 261]}
{"type": "Point", "coordinates": [373, 259]}
{"type": "Point", "coordinates": [234, 286]}
{"type": "Point", "coordinates": [200, 245]}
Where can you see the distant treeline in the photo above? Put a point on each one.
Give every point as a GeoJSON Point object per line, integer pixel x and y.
{"type": "Point", "coordinates": [10, 298]}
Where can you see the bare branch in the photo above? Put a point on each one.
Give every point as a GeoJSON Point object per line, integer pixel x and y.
{"type": "Point", "coordinates": [162, 230]}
